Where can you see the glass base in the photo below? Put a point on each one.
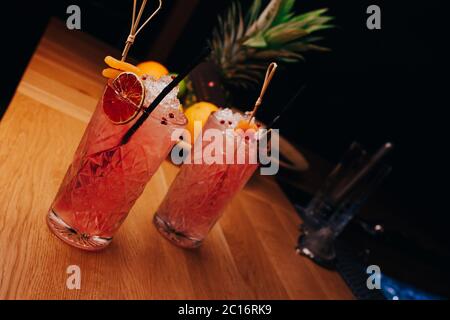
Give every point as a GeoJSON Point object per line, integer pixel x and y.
{"type": "Point", "coordinates": [72, 237]}
{"type": "Point", "coordinates": [177, 238]}
{"type": "Point", "coordinates": [319, 249]}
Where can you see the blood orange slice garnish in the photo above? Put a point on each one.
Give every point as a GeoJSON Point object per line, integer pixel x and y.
{"type": "Point", "coordinates": [123, 98]}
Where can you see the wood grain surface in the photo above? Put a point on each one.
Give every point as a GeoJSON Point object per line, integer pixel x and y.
{"type": "Point", "coordinates": [249, 254]}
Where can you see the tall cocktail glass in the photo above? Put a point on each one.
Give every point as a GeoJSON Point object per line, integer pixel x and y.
{"type": "Point", "coordinates": [104, 181]}
{"type": "Point", "coordinates": [201, 190]}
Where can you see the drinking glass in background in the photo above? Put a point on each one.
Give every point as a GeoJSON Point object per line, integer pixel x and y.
{"type": "Point", "coordinates": [318, 211]}
{"type": "Point", "coordinates": [200, 192]}
{"type": "Point", "coordinates": [344, 192]}
{"type": "Point", "coordinates": [106, 176]}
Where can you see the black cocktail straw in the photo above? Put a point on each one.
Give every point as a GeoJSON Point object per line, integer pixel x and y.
{"type": "Point", "coordinates": [381, 153]}
{"type": "Point", "coordinates": [287, 107]}
{"type": "Point", "coordinates": [202, 56]}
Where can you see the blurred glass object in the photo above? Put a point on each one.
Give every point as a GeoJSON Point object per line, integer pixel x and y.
{"type": "Point", "coordinates": [344, 192]}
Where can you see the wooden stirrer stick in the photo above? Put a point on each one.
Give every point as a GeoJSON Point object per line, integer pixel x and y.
{"type": "Point", "coordinates": [269, 75]}
{"type": "Point", "coordinates": [135, 23]}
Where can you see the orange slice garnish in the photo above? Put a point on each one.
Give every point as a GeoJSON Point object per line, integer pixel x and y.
{"type": "Point", "coordinates": [111, 73]}
{"type": "Point", "coordinates": [122, 66]}
{"type": "Point", "coordinates": [123, 98]}
{"type": "Point", "coordinates": [244, 125]}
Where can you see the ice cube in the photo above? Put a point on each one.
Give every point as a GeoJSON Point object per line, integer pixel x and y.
{"type": "Point", "coordinates": [228, 115]}
{"type": "Point", "coordinates": [153, 87]}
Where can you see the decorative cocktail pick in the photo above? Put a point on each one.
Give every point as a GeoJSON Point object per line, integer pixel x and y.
{"type": "Point", "coordinates": [269, 75]}
{"type": "Point", "coordinates": [205, 53]}
{"type": "Point", "coordinates": [123, 98]}
{"type": "Point", "coordinates": [135, 29]}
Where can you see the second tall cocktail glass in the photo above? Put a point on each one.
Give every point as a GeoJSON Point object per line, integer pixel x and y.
{"type": "Point", "coordinates": [202, 189]}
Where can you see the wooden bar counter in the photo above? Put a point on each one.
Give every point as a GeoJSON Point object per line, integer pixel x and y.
{"type": "Point", "coordinates": [250, 254]}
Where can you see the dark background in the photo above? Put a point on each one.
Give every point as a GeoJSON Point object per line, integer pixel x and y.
{"type": "Point", "coordinates": [375, 86]}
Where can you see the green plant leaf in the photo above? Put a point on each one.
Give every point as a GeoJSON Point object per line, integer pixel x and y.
{"type": "Point", "coordinates": [265, 20]}
{"type": "Point", "coordinates": [253, 12]}
{"type": "Point", "coordinates": [310, 15]}
{"type": "Point", "coordinates": [301, 46]}
{"type": "Point", "coordinates": [241, 25]}
{"type": "Point", "coordinates": [277, 54]}
{"type": "Point", "coordinates": [281, 36]}
{"type": "Point", "coordinates": [242, 46]}
{"type": "Point", "coordinates": [284, 13]}
{"type": "Point", "coordinates": [314, 28]}
{"type": "Point", "coordinates": [256, 41]}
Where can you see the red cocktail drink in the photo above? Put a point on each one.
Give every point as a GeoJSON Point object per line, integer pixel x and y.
{"type": "Point", "coordinates": [106, 177]}
{"type": "Point", "coordinates": [202, 189]}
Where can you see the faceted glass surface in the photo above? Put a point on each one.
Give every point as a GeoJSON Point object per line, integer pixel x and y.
{"type": "Point", "coordinates": [200, 193]}
{"type": "Point", "coordinates": [105, 179]}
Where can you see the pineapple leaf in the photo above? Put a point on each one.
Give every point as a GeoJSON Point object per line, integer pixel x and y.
{"type": "Point", "coordinates": [241, 25]}
{"type": "Point", "coordinates": [301, 46]}
{"type": "Point", "coordinates": [242, 46]}
{"type": "Point", "coordinates": [257, 41]}
{"type": "Point", "coordinates": [265, 19]}
{"type": "Point", "coordinates": [311, 21]}
{"type": "Point", "coordinates": [310, 39]}
{"type": "Point", "coordinates": [315, 47]}
{"type": "Point", "coordinates": [284, 13]}
{"type": "Point", "coordinates": [310, 15]}
{"type": "Point", "coordinates": [279, 37]}
{"type": "Point", "coordinates": [314, 28]}
{"type": "Point", "coordinates": [277, 54]}
{"type": "Point", "coordinates": [289, 60]}
{"type": "Point", "coordinates": [254, 12]}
